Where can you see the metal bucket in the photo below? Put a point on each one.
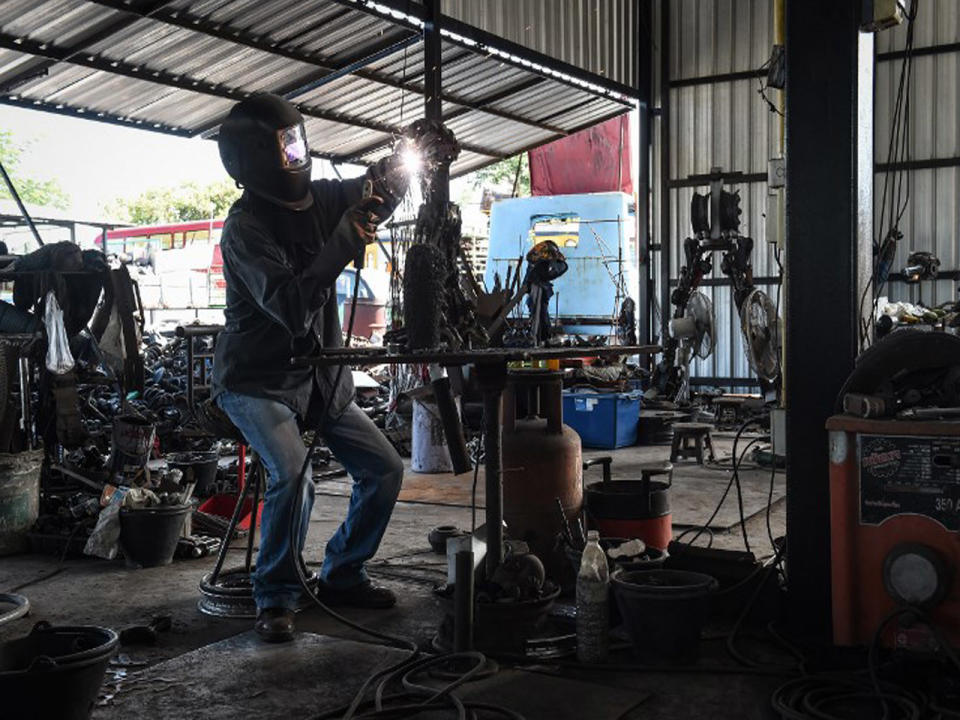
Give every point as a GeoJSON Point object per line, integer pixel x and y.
{"type": "Point", "coordinates": [428, 453]}
{"type": "Point", "coordinates": [132, 443]}
{"type": "Point", "coordinates": [19, 499]}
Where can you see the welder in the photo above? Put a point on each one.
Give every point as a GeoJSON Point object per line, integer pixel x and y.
{"type": "Point", "coordinates": [284, 244]}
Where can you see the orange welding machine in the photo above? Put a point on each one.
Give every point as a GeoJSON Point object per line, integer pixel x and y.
{"type": "Point", "coordinates": [895, 531]}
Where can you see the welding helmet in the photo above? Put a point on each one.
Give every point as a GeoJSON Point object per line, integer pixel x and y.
{"type": "Point", "coordinates": [263, 147]}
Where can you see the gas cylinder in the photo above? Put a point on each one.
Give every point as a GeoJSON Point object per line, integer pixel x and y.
{"type": "Point", "coordinates": [541, 462]}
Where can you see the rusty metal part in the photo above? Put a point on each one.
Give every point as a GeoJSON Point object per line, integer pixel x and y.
{"type": "Point", "coordinates": [385, 356]}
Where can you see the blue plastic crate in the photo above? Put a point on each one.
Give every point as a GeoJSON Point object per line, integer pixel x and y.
{"type": "Point", "coordinates": [603, 420]}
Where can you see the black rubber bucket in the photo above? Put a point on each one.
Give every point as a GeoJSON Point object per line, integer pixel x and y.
{"type": "Point", "coordinates": [148, 536]}
{"type": "Point", "coordinates": [198, 467]}
{"type": "Point", "coordinates": [664, 612]}
{"type": "Point", "coordinates": [54, 672]}
{"type": "Point", "coordinates": [652, 558]}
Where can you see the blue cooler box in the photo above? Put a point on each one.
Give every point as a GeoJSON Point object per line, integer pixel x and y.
{"type": "Point", "coordinates": [603, 420]}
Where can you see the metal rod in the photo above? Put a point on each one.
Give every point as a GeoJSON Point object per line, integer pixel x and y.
{"type": "Point", "coordinates": [228, 536]}
{"type": "Point", "coordinates": [254, 507]}
{"type": "Point", "coordinates": [463, 602]}
{"type": "Point", "coordinates": [492, 407]}
{"type": "Point", "coordinates": [23, 208]}
{"type": "Point", "coordinates": [26, 419]}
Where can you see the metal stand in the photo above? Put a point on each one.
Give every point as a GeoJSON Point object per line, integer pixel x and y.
{"type": "Point", "coordinates": [492, 378]}
{"type": "Point", "coordinates": [230, 593]}
{"type": "Point", "coordinates": [491, 367]}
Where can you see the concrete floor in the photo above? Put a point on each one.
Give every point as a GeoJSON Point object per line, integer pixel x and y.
{"type": "Point", "coordinates": [183, 677]}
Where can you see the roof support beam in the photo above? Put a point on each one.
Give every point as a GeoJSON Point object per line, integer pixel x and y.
{"type": "Point", "coordinates": [31, 104]}
{"type": "Point", "coordinates": [334, 70]}
{"type": "Point", "coordinates": [183, 82]}
{"type": "Point", "coordinates": [476, 105]}
{"type": "Point", "coordinates": [98, 35]}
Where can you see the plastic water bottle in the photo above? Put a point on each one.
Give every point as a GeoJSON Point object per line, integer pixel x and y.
{"type": "Point", "coordinates": [593, 608]}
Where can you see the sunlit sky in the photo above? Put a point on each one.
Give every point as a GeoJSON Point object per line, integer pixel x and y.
{"type": "Point", "coordinates": [96, 162]}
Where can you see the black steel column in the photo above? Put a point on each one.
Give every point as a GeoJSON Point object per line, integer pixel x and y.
{"type": "Point", "coordinates": [829, 79]}
{"type": "Point", "coordinates": [644, 70]}
{"type": "Point", "coordinates": [665, 239]}
{"type": "Point", "coordinates": [433, 86]}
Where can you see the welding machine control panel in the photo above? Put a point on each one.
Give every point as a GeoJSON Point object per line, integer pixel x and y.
{"type": "Point", "coordinates": [909, 475]}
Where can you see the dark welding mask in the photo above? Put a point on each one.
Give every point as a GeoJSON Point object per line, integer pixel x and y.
{"type": "Point", "coordinates": [263, 147]}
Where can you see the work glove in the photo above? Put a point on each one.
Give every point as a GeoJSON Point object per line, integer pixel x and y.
{"type": "Point", "coordinates": [434, 141]}
{"type": "Point", "coordinates": [357, 229]}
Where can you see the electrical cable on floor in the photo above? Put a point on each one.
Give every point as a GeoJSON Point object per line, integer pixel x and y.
{"type": "Point", "coordinates": [734, 479]}
{"type": "Point", "coordinates": [812, 696]}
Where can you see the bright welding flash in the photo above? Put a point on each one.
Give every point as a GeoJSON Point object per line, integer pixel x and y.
{"type": "Point", "coordinates": [412, 161]}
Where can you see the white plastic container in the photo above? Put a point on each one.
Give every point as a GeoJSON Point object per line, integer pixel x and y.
{"type": "Point", "coordinates": [428, 452]}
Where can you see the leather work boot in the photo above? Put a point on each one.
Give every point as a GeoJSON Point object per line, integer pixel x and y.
{"type": "Point", "coordinates": [275, 625]}
{"type": "Point", "coordinates": [365, 595]}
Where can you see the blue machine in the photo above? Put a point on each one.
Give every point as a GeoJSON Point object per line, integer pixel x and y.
{"type": "Point", "coordinates": [597, 234]}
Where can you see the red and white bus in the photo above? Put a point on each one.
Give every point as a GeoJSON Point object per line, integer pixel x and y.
{"type": "Point", "coordinates": [185, 260]}
{"type": "Point", "coordinates": [179, 269]}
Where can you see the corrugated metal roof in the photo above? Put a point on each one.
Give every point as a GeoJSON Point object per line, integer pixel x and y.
{"type": "Point", "coordinates": [178, 66]}
{"type": "Point", "coordinates": [596, 35]}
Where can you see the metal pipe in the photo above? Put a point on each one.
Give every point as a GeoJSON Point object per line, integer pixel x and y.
{"type": "Point", "coordinates": [463, 602]}
{"type": "Point", "coordinates": [492, 407]}
{"type": "Point", "coordinates": [26, 417]}
{"type": "Point", "coordinates": [23, 209]}
{"type": "Point", "coordinates": [254, 507]}
{"type": "Point", "coordinates": [231, 529]}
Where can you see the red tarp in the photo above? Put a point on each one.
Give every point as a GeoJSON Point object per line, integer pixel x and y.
{"type": "Point", "coordinates": [592, 160]}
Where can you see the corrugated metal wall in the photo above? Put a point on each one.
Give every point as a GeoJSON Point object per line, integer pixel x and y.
{"type": "Point", "coordinates": [932, 213]}
{"type": "Point", "coordinates": [718, 123]}
{"type": "Point", "coordinates": [596, 35]}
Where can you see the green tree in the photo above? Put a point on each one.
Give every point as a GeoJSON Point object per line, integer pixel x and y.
{"type": "Point", "coordinates": [190, 201]}
{"type": "Point", "coordinates": [503, 174]}
{"type": "Point", "coordinates": [46, 193]}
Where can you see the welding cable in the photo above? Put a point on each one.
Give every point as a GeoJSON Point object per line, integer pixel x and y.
{"type": "Point", "coordinates": [705, 528]}
{"type": "Point", "coordinates": [771, 571]}
{"type": "Point", "coordinates": [734, 479]}
{"type": "Point", "coordinates": [810, 697]}
{"type": "Point", "coordinates": [410, 662]}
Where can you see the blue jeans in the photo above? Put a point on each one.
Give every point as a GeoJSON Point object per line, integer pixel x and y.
{"type": "Point", "coordinates": [271, 428]}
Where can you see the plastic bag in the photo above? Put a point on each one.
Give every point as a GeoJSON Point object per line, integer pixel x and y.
{"type": "Point", "coordinates": [104, 540]}
{"type": "Point", "coordinates": [59, 357]}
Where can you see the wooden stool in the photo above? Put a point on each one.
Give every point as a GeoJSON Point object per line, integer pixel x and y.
{"type": "Point", "coordinates": [689, 441]}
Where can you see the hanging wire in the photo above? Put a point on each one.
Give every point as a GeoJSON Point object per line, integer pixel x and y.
{"type": "Point", "coordinates": [896, 181]}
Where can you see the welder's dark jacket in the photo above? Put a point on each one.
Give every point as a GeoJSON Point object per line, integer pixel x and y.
{"type": "Point", "coordinates": [272, 313]}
